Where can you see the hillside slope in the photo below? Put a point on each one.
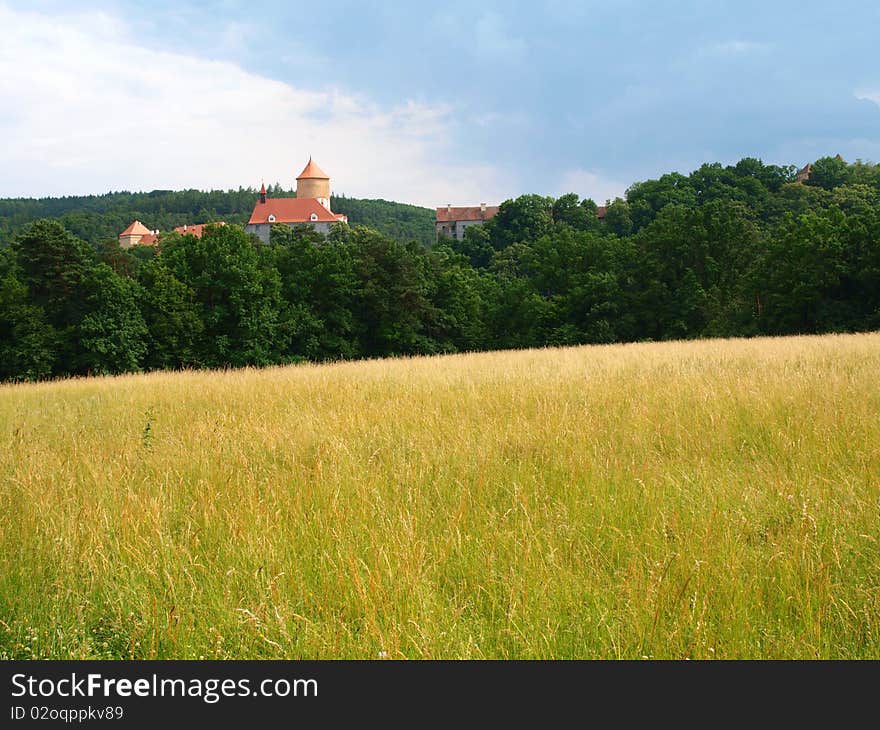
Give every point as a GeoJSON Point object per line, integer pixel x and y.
{"type": "Point", "coordinates": [96, 218]}
{"type": "Point", "coordinates": [712, 499]}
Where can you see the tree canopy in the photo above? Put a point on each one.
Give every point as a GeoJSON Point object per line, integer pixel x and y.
{"type": "Point", "coordinates": [740, 250]}
{"type": "Point", "coordinates": [100, 218]}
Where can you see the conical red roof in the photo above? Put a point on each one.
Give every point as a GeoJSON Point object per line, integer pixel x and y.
{"type": "Point", "coordinates": [313, 171]}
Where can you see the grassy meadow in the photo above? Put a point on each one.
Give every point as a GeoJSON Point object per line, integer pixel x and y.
{"type": "Point", "coordinates": [711, 499]}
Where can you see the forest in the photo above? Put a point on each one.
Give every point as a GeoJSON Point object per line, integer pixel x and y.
{"type": "Point", "coordinates": [99, 219]}
{"type": "Point", "coordinates": [727, 251]}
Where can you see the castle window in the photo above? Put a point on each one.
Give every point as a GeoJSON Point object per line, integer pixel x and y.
{"type": "Point", "coordinates": [313, 217]}
{"type": "Point", "coordinates": [271, 219]}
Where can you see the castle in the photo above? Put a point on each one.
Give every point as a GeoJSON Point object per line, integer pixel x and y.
{"type": "Point", "coordinates": [311, 206]}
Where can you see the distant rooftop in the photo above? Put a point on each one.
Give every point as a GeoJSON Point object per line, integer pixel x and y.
{"type": "Point", "coordinates": [468, 213]}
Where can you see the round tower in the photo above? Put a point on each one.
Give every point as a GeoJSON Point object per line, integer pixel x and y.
{"type": "Point", "coordinates": [313, 182]}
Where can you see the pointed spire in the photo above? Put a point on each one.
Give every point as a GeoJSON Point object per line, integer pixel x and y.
{"type": "Point", "coordinates": [313, 171]}
{"type": "Point", "coordinates": [263, 192]}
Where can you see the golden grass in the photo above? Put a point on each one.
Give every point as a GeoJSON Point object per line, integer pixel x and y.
{"type": "Point", "coordinates": [705, 499]}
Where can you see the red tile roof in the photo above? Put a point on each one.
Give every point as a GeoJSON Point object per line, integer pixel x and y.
{"type": "Point", "coordinates": [292, 210]}
{"type": "Point", "coordinates": [197, 229]}
{"type": "Point", "coordinates": [471, 213]}
{"type": "Point", "coordinates": [313, 171]}
{"type": "Point", "coordinates": [151, 238]}
{"type": "Point", "coordinates": [135, 229]}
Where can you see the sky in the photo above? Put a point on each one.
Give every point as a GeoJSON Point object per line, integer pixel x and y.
{"type": "Point", "coordinates": [456, 102]}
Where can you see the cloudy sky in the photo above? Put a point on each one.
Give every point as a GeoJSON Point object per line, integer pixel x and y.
{"type": "Point", "coordinates": [457, 102]}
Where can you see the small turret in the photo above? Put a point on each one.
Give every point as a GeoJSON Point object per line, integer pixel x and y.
{"type": "Point", "coordinates": [263, 193]}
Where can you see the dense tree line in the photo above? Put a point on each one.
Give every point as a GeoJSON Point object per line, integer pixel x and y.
{"type": "Point", "coordinates": [98, 219]}
{"type": "Point", "coordinates": [741, 250]}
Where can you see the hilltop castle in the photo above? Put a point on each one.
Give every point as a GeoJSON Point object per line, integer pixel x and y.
{"type": "Point", "coordinates": [311, 206]}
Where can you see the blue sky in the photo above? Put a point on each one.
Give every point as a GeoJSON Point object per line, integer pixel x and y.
{"type": "Point", "coordinates": [428, 103]}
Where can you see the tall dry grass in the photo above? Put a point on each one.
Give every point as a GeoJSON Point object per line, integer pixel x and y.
{"type": "Point", "coordinates": [706, 499]}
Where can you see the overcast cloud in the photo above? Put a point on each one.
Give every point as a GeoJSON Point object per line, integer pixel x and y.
{"type": "Point", "coordinates": [425, 104]}
{"type": "Point", "coordinates": [88, 109]}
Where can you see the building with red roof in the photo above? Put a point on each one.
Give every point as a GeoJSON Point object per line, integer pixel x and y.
{"type": "Point", "coordinates": [311, 206]}
{"type": "Point", "coordinates": [134, 234]}
{"type": "Point", "coordinates": [196, 229]}
{"type": "Point", "coordinates": [452, 221]}
{"type": "Point", "coordinates": [137, 234]}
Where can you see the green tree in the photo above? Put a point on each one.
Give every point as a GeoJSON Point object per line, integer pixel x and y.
{"type": "Point", "coordinates": [475, 245]}
{"type": "Point", "coordinates": [171, 314]}
{"type": "Point", "coordinates": [570, 211]}
{"type": "Point", "coordinates": [693, 267]}
{"type": "Point", "coordinates": [805, 279]}
{"type": "Point", "coordinates": [648, 198]}
{"type": "Point", "coordinates": [54, 264]}
{"type": "Point", "coordinates": [458, 295]}
{"type": "Point", "coordinates": [237, 295]}
{"type": "Point", "coordinates": [27, 341]}
{"type": "Point", "coordinates": [92, 309]}
{"type": "Point", "coordinates": [772, 177]}
{"type": "Point", "coordinates": [318, 287]}
{"type": "Point", "coordinates": [618, 218]}
{"type": "Point", "coordinates": [112, 333]}
{"type": "Point", "coordinates": [829, 173]}
{"type": "Point", "coordinates": [393, 310]}
{"type": "Point", "coordinates": [526, 218]}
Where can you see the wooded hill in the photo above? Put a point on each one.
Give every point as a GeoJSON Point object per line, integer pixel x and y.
{"type": "Point", "coordinates": [733, 251]}
{"type": "Point", "coordinates": [100, 218]}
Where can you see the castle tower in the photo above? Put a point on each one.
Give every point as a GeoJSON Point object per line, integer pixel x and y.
{"type": "Point", "coordinates": [313, 182]}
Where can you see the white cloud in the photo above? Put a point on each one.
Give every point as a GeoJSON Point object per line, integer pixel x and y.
{"type": "Point", "coordinates": [86, 107]}
{"type": "Point", "coordinates": [589, 185]}
{"type": "Point", "coordinates": [869, 95]}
